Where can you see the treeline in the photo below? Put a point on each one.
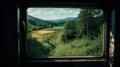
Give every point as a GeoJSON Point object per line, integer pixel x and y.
{"type": "Point", "coordinates": [89, 25]}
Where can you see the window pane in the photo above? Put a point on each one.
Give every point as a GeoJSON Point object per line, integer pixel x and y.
{"type": "Point", "coordinates": [60, 32]}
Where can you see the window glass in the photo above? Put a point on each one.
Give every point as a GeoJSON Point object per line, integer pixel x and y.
{"type": "Point", "coordinates": [62, 32]}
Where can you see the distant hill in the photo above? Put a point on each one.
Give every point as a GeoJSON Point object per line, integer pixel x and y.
{"type": "Point", "coordinates": [36, 23]}
{"type": "Point", "coordinates": [62, 21]}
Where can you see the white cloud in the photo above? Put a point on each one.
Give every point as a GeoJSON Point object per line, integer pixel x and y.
{"type": "Point", "coordinates": [51, 12]}
{"type": "Point", "coordinates": [59, 9]}
{"type": "Point", "coordinates": [62, 11]}
{"type": "Point", "coordinates": [70, 11]}
{"type": "Point", "coordinates": [56, 13]}
{"type": "Point", "coordinates": [35, 13]}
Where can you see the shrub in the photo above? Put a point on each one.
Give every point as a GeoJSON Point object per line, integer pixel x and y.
{"type": "Point", "coordinates": [36, 49]}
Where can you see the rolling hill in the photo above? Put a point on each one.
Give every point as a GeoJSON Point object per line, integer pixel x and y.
{"type": "Point", "coordinates": [37, 23]}
{"type": "Point", "coordinates": [62, 21]}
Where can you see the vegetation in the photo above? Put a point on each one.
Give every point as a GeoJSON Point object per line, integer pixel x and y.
{"type": "Point", "coordinates": [80, 37]}
{"type": "Point", "coordinates": [37, 24]}
{"type": "Point", "coordinates": [35, 48]}
{"type": "Point", "coordinates": [88, 25]}
{"type": "Point", "coordinates": [83, 47]}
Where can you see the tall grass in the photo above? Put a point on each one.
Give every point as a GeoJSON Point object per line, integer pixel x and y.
{"type": "Point", "coordinates": [82, 47]}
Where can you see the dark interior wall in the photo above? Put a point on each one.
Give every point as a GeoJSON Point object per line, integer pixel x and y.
{"type": "Point", "coordinates": [66, 64]}
{"type": "Point", "coordinates": [10, 55]}
{"type": "Point", "coordinates": [117, 39]}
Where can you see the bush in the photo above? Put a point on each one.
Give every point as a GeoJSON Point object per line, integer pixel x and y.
{"type": "Point", "coordinates": [36, 49]}
{"type": "Point", "coordinates": [69, 31]}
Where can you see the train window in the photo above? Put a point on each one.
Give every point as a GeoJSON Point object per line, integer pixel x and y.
{"type": "Point", "coordinates": [65, 32]}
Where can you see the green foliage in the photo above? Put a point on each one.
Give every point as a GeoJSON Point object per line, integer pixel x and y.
{"type": "Point", "coordinates": [95, 47]}
{"type": "Point", "coordinates": [36, 48]}
{"type": "Point", "coordinates": [29, 30]}
{"type": "Point", "coordinates": [82, 37]}
{"type": "Point", "coordinates": [69, 31]}
{"type": "Point", "coordinates": [83, 47]}
{"type": "Point", "coordinates": [90, 21]}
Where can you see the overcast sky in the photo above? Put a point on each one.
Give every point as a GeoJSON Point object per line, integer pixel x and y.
{"type": "Point", "coordinates": [53, 13]}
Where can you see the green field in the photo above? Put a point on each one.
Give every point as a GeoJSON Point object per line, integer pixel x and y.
{"type": "Point", "coordinates": [47, 33]}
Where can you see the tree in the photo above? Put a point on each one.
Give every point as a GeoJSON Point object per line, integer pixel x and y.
{"type": "Point", "coordinates": [69, 31]}
{"type": "Point", "coordinates": [89, 22]}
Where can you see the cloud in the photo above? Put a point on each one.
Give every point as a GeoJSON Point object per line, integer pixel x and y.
{"type": "Point", "coordinates": [58, 9]}
{"type": "Point", "coordinates": [34, 12]}
{"type": "Point", "coordinates": [62, 11]}
{"type": "Point", "coordinates": [53, 13]}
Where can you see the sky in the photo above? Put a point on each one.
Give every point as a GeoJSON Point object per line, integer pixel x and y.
{"type": "Point", "coordinates": [53, 13]}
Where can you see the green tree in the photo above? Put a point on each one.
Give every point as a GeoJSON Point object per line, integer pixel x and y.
{"type": "Point", "coordinates": [69, 31]}
{"type": "Point", "coordinates": [89, 22]}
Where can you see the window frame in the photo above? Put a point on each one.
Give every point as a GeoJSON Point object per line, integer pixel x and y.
{"type": "Point", "coordinates": [23, 27]}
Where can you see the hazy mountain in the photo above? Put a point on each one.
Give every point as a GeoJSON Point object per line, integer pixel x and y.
{"type": "Point", "coordinates": [39, 23]}
{"type": "Point", "coordinates": [62, 21]}
{"type": "Point", "coordinates": [34, 21]}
